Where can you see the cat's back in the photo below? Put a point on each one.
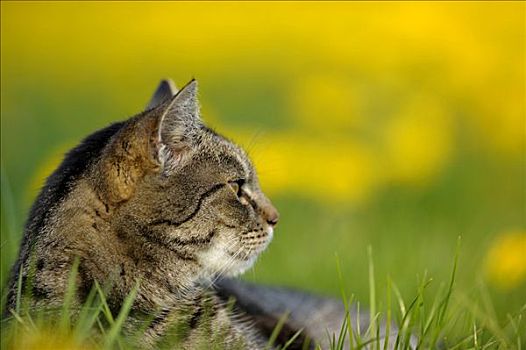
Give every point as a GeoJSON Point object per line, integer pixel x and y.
{"type": "Point", "coordinates": [43, 213]}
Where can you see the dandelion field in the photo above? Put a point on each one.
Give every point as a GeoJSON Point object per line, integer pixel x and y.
{"type": "Point", "coordinates": [398, 125]}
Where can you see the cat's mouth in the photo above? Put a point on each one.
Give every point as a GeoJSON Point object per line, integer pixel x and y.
{"type": "Point", "coordinates": [257, 241]}
{"type": "Point", "coordinates": [234, 259]}
{"type": "Point", "coordinates": [253, 246]}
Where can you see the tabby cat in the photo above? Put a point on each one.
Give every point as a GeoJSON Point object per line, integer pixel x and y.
{"type": "Point", "coordinates": [161, 202]}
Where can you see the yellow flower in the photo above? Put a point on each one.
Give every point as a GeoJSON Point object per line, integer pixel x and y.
{"type": "Point", "coordinates": [418, 141]}
{"type": "Point", "coordinates": [45, 339]}
{"type": "Point", "coordinates": [506, 260]}
{"type": "Point", "coordinates": [326, 103]}
{"type": "Point", "coordinates": [324, 168]}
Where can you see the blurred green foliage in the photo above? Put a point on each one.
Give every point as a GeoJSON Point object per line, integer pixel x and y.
{"type": "Point", "coordinates": [395, 125]}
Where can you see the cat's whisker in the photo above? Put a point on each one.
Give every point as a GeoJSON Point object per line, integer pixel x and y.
{"type": "Point", "coordinates": [227, 265]}
{"type": "Point", "coordinates": [230, 262]}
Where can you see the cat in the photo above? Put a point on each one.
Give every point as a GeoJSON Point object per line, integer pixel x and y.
{"type": "Point", "coordinates": [164, 205]}
{"type": "Point", "coordinates": [160, 200]}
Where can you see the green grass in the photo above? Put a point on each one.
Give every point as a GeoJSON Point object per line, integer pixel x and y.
{"type": "Point", "coordinates": [447, 319]}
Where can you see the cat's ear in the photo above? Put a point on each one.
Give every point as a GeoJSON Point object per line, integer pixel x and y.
{"type": "Point", "coordinates": [165, 91]}
{"type": "Point", "coordinates": [179, 124]}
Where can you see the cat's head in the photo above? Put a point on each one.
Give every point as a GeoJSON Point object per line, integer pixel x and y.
{"type": "Point", "coordinates": [180, 185]}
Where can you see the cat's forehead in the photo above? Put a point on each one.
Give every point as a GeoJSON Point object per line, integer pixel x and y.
{"type": "Point", "coordinates": [228, 151]}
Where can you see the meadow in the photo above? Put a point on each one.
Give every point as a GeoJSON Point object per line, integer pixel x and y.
{"type": "Point", "coordinates": [398, 126]}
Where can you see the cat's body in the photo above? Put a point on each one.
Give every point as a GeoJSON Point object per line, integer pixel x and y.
{"type": "Point", "coordinates": [160, 202]}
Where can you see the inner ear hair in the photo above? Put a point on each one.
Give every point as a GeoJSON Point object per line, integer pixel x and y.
{"type": "Point", "coordinates": [178, 125]}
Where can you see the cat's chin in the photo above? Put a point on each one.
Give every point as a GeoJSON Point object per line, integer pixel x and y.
{"type": "Point", "coordinates": [218, 262]}
{"type": "Point", "coordinates": [240, 267]}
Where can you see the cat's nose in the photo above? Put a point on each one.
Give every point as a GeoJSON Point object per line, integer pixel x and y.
{"type": "Point", "coordinates": [267, 210]}
{"type": "Point", "coordinates": [271, 215]}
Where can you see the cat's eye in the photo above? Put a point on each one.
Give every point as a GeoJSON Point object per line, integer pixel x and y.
{"type": "Point", "coordinates": [237, 186]}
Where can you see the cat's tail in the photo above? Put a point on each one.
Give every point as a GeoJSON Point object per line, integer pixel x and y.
{"type": "Point", "coordinates": [319, 317]}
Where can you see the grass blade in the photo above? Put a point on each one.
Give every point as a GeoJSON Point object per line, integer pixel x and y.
{"type": "Point", "coordinates": [123, 313]}
{"type": "Point", "coordinates": [68, 298]}
{"type": "Point", "coordinates": [277, 330]}
{"type": "Point", "coordinates": [291, 340]}
{"type": "Point", "coordinates": [372, 294]}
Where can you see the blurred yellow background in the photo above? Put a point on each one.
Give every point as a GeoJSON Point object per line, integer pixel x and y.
{"type": "Point", "coordinates": [395, 124]}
